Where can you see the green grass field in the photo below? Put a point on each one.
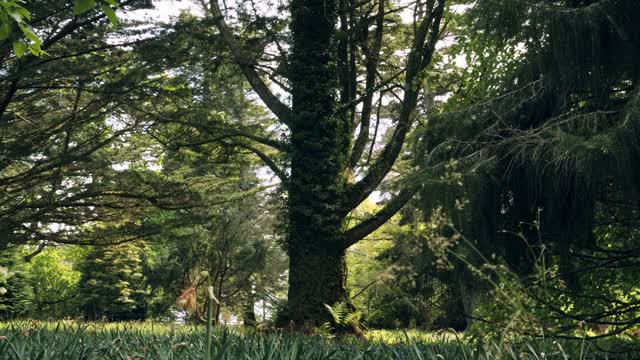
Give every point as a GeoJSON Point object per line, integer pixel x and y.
{"type": "Point", "coordinates": [73, 340]}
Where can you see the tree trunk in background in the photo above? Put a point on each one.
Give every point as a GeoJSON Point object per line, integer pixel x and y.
{"type": "Point", "coordinates": [249, 313]}
{"type": "Point", "coordinates": [468, 296]}
{"type": "Point", "coordinates": [453, 306]}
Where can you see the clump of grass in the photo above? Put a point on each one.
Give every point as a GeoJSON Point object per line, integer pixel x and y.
{"type": "Point", "coordinates": [91, 341]}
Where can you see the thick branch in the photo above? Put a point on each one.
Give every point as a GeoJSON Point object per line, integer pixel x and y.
{"type": "Point", "coordinates": [279, 145]}
{"type": "Point", "coordinates": [220, 130]}
{"type": "Point", "coordinates": [343, 56]}
{"type": "Point", "coordinates": [27, 258]}
{"type": "Point", "coordinates": [246, 64]}
{"type": "Point", "coordinates": [368, 226]}
{"type": "Point", "coordinates": [8, 96]}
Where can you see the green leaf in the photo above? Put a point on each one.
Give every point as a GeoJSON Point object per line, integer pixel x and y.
{"type": "Point", "coordinates": [107, 10]}
{"type": "Point", "coordinates": [5, 31]}
{"type": "Point", "coordinates": [82, 6]}
{"type": "Point", "coordinates": [19, 48]}
{"type": "Point", "coordinates": [24, 12]}
{"type": "Point", "coordinates": [36, 50]}
{"type": "Point", "coordinates": [17, 17]}
{"type": "Point", "coordinates": [28, 32]}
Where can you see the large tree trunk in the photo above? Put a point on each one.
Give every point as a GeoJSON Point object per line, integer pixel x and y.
{"type": "Point", "coordinates": [316, 277]}
{"type": "Point", "coordinates": [320, 140]}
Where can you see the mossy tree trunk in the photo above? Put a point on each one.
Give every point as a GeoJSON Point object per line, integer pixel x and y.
{"type": "Point", "coordinates": [319, 148]}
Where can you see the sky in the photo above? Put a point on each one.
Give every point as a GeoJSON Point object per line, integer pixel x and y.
{"type": "Point", "coordinates": [163, 10]}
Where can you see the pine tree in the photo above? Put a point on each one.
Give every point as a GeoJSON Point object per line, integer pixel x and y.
{"type": "Point", "coordinates": [112, 286]}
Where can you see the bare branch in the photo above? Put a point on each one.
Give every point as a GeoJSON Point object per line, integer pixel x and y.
{"type": "Point", "coordinates": [267, 161]}
{"type": "Point", "coordinates": [418, 59]}
{"type": "Point", "coordinates": [371, 64]}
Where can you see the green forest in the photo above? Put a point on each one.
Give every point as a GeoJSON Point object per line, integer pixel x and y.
{"type": "Point", "coordinates": [319, 179]}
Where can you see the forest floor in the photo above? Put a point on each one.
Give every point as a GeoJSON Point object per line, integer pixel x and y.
{"type": "Point", "coordinates": [71, 340]}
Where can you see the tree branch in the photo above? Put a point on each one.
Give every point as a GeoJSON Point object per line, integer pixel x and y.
{"type": "Point", "coordinates": [418, 59]}
{"type": "Point", "coordinates": [371, 65]}
{"type": "Point", "coordinates": [216, 130]}
{"type": "Point", "coordinates": [368, 226]}
{"type": "Point", "coordinates": [246, 64]}
{"type": "Point", "coordinates": [267, 161]}
{"type": "Point", "coordinates": [8, 96]}
{"type": "Point", "coordinates": [41, 246]}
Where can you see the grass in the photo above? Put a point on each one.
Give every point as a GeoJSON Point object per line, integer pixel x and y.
{"type": "Point", "coordinates": [69, 340]}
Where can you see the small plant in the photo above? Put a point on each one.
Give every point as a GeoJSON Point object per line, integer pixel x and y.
{"type": "Point", "coordinates": [345, 319]}
{"type": "Point", "coordinates": [188, 301]}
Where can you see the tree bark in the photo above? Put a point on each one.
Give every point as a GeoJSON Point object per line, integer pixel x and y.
{"type": "Point", "coordinates": [249, 313]}
{"type": "Point", "coordinates": [320, 144]}
{"type": "Point", "coordinates": [468, 297]}
{"type": "Point", "coordinates": [316, 277]}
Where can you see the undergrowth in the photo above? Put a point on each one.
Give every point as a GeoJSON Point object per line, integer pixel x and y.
{"type": "Point", "coordinates": [75, 340]}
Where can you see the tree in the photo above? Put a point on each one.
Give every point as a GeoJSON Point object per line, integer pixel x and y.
{"type": "Point", "coordinates": [235, 244]}
{"type": "Point", "coordinates": [541, 129]}
{"type": "Point", "coordinates": [55, 281]}
{"type": "Point", "coordinates": [342, 60]}
{"type": "Point", "coordinates": [113, 285]}
{"type": "Point", "coordinates": [76, 165]}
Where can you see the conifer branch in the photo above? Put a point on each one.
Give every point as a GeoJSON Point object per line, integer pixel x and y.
{"type": "Point", "coordinates": [267, 161]}
{"type": "Point", "coordinates": [247, 65]}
